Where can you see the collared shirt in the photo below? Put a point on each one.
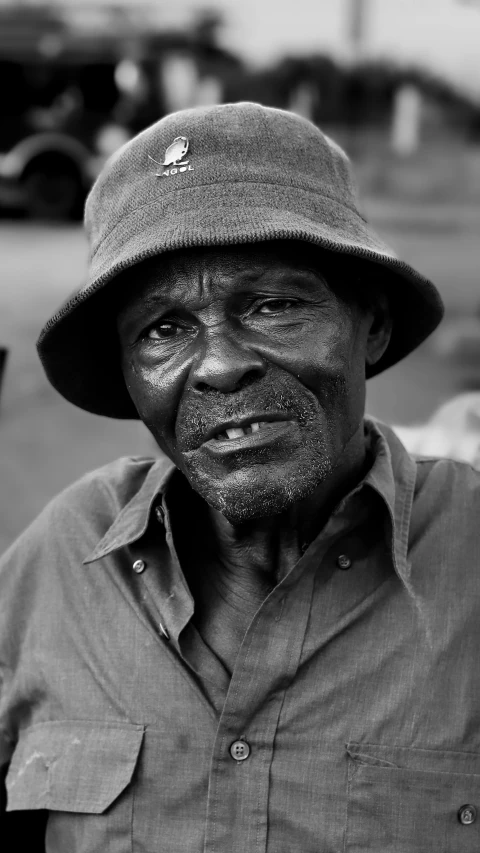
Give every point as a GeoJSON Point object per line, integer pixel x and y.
{"type": "Point", "coordinates": [351, 721]}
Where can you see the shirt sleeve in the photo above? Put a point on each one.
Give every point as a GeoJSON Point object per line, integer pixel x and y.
{"type": "Point", "coordinates": [5, 755]}
{"type": "Point", "coordinates": [25, 607]}
{"type": "Point", "coordinates": [36, 575]}
{"type": "Point", "coordinates": [29, 572]}
{"type": "Point", "coordinates": [17, 832]}
{"type": "Point", "coordinates": [17, 597]}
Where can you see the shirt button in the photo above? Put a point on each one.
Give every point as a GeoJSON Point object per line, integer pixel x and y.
{"type": "Point", "coordinates": [139, 566]}
{"type": "Point", "coordinates": [467, 814]}
{"type": "Point", "coordinates": [343, 562]}
{"type": "Point", "coordinates": [164, 631]}
{"type": "Point", "coordinates": [239, 750]}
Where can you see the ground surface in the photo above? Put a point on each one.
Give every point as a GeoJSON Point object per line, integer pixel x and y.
{"type": "Point", "coordinates": [45, 443]}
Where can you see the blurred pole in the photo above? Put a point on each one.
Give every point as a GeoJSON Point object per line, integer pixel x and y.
{"type": "Point", "coordinates": [183, 87]}
{"type": "Point", "coordinates": [179, 79]}
{"type": "Point", "coordinates": [406, 120]}
{"type": "Point", "coordinates": [357, 11]}
{"type": "Point", "coordinates": [303, 100]}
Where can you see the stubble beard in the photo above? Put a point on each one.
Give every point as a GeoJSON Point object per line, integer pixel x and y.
{"type": "Point", "coordinates": [264, 488]}
{"type": "Point", "coordinates": [267, 481]}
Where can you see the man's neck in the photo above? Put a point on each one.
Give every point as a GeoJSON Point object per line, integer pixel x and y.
{"type": "Point", "coordinates": [231, 568]}
{"type": "Point", "coordinates": [269, 547]}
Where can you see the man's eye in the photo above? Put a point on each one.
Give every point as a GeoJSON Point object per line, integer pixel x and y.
{"type": "Point", "coordinates": [163, 331]}
{"type": "Point", "coordinates": [275, 306]}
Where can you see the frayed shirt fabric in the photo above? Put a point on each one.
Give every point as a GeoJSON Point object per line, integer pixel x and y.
{"type": "Point", "coordinates": [351, 721]}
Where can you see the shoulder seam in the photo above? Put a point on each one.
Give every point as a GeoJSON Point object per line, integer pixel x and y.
{"type": "Point", "coordinates": [432, 459]}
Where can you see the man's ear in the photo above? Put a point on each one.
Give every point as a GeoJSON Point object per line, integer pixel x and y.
{"type": "Point", "coordinates": [380, 330]}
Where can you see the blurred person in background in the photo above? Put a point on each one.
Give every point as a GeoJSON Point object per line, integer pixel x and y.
{"type": "Point", "coordinates": [266, 640]}
{"type": "Point", "coordinates": [452, 431]}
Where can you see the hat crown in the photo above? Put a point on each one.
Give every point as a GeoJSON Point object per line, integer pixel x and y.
{"type": "Point", "coordinates": [231, 143]}
{"type": "Point", "coordinates": [216, 176]}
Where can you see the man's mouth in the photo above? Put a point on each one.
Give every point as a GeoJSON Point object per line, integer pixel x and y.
{"type": "Point", "coordinates": [246, 425]}
{"type": "Point", "coordinates": [238, 432]}
{"type": "Point", "coordinates": [246, 433]}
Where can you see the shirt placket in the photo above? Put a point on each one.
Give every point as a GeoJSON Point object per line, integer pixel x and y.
{"type": "Point", "coordinates": [268, 659]}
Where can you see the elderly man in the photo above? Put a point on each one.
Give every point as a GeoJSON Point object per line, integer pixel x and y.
{"type": "Point", "coordinates": [268, 640]}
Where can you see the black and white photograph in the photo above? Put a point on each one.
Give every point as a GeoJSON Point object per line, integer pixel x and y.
{"type": "Point", "coordinates": [239, 426]}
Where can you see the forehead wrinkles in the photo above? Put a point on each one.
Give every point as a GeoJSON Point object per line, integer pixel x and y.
{"type": "Point", "coordinates": [199, 276]}
{"type": "Point", "coordinates": [200, 279]}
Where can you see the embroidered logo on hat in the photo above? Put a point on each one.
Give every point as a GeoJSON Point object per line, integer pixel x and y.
{"type": "Point", "coordinates": [175, 152]}
{"type": "Point", "coordinates": [173, 157]}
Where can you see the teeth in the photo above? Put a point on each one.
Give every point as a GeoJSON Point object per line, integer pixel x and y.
{"type": "Point", "coordinates": [236, 432]}
{"type": "Point", "coordinates": [239, 432]}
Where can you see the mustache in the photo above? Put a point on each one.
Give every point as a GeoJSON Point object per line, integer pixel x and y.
{"type": "Point", "coordinates": [283, 395]}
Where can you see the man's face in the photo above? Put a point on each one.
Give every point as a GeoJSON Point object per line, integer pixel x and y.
{"type": "Point", "coordinates": [247, 369]}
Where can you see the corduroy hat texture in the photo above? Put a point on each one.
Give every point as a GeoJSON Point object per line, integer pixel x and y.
{"type": "Point", "coordinates": [223, 175]}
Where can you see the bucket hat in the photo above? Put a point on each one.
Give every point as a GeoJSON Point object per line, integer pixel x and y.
{"type": "Point", "coordinates": [224, 175]}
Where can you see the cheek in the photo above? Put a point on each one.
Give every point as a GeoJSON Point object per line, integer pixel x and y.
{"type": "Point", "coordinates": [332, 366]}
{"type": "Point", "coordinates": [325, 352]}
{"type": "Point", "coordinates": [350, 358]}
{"type": "Point", "coordinates": [154, 395]}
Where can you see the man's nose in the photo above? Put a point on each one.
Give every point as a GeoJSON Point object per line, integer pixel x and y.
{"type": "Point", "coordinates": [225, 363]}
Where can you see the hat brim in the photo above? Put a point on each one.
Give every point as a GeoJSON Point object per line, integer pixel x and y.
{"type": "Point", "coordinates": [79, 348]}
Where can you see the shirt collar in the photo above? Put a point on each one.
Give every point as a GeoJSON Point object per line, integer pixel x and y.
{"type": "Point", "coordinates": [391, 476]}
{"type": "Point", "coordinates": [133, 519]}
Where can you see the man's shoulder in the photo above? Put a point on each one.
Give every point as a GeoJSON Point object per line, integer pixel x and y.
{"type": "Point", "coordinates": [440, 469]}
{"type": "Point", "coordinates": [112, 485]}
{"type": "Point", "coordinates": [84, 511]}
{"type": "Point", "coordinates": [448, 486]}
{"type": "Point", "coordinates": [443, 486]}
{"type": "Point", "coordinates": [107, 489]}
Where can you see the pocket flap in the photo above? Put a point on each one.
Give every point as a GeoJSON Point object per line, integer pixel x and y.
{"type": "Point", "coordinates": [72, 766]}
{"type": "Point", "coordinates": [427, 760]}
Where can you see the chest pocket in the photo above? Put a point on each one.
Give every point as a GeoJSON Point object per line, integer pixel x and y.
{"type": "Point", "coordinates": [412, 800]}
{"type": "Point", "coordinates": [81, 772]}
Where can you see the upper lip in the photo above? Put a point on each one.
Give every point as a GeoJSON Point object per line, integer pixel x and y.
{"type": "Point", "coordinates": [243, 422]}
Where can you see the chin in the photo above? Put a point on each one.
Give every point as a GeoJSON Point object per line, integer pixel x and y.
{"type": "Point", "coordinates": [255, 492]}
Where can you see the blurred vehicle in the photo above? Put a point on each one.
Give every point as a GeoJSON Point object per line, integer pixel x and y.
{"type": "Point", "coordinates": [56, 96]}
{"type": "Point", "coordinates": [47, 175]}
{"type": "Point", "coordinates": [57, 126]}
{"type": "Point", "coordinates": [69, 98]}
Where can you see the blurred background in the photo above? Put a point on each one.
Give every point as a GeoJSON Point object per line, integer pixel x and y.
{"type": "Point", "coordinates": [396, 83]}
